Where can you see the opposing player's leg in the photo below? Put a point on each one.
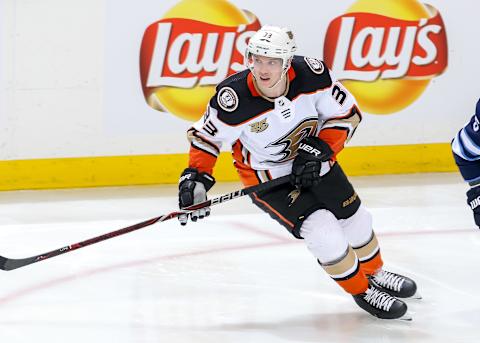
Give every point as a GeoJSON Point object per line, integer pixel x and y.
{"type": "Point", "coordinates": [359, 233]}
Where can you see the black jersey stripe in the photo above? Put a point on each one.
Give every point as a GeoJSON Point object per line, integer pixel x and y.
{"type": "Point", "coordinates": [250, 106]}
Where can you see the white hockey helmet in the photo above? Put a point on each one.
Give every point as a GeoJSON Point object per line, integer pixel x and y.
{"type": "Point", "coordinates": [272, 41]}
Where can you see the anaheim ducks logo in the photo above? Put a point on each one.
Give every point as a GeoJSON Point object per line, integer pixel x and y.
{"type": "Point", "coordinates": [227, 99]}
{"type": "Point", "coordinates": [315, 65]}
{"type": "Point", "coordinates": [293, 196]}
{"type": "Point", "coordinates": [289, 143]}
{"type": "Point", "coordinates": [259, 126]}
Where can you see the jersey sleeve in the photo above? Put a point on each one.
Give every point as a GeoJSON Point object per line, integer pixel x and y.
{"type": "Point", "coordinates": [466, 150]}
{"type": "Point", "coordinates": [339, 113]}
{"type": "Point", "coordinates": [206, 138]}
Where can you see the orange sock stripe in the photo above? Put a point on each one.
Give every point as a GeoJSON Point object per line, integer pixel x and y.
{"type": "Point", "coordinates": [357, 284]}
{"type": "Point", "coordinates": [371, 266]}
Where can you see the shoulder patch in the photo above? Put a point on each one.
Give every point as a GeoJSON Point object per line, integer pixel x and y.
{"type": "Point", "coordinates": [315, 65]}
{"type": "Point", "coordinates": [227, 99]}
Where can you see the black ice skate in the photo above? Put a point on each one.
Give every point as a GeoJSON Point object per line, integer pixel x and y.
{"type": "Point", "coordinates": [381, 305]}
{"type": "Point", "coordinates": [395, 284]}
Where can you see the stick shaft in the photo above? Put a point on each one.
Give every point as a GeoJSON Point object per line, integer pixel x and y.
{"type": "Point", "coordinates": [10, 263]}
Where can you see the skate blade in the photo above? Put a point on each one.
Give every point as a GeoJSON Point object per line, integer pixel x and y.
{"type": "Point", "coordinates": [407, 317]}
{"type": "Point", "coordinates": [416, 296]}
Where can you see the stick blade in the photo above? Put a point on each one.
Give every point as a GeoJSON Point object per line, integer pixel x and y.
{"type": "Point", "coordinates": [12, 263]}
{"type": "Point", "coordinates": [3, 263]}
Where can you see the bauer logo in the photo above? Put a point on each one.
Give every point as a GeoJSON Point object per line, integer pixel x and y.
{"type": "Point", "coordinates": [387, 52]}
{"type": "Point", "coordinates": [189, 51]}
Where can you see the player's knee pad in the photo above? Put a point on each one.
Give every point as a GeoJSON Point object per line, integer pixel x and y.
{"type": "Point", "coordinates": [358, 228]}
{"type": "Point", "coordinates": [359, 233]}
{"type": "Point", "coordinates": [324, 236]}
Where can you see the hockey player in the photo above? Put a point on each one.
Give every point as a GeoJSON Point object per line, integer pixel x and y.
{"type": "Point", "coordinates": [466, 151]}
{"type": "Point", "coordinates": [287, 115]}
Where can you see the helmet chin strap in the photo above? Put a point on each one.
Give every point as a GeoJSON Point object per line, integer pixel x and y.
{"type": "Point", "coordinates": [284, 72]}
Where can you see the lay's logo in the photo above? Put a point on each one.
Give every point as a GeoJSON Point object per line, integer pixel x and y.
{"type": "Point", "coordinates": [387, 61]}
{"type": "Point", "coordinates": [186, 54]}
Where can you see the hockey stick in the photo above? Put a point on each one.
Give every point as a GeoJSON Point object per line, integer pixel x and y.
{"type": "Point", "coordinates": [12, 263]}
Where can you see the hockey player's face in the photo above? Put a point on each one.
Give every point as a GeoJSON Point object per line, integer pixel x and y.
{"type": "Point", "coordinates": [267, 70]}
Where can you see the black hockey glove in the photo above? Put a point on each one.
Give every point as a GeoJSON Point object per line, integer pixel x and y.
{"type": "Point", "coordinates": [311, 162]}
{"type": "Point", "coordinates": [192, 189]}
{"type": "Point", "coordinates": [473, 200]}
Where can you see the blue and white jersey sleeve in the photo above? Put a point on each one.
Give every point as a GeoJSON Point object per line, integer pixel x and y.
{"type": "Point", "coordinates": [466, 150]}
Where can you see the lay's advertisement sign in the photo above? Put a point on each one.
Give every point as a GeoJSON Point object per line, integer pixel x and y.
{"type": "Point", "coordinates": [187, 53]}
{"type": "Point", "coordinates": [397, 57]}
{"type": "Point", "coordinates": [387, 52]}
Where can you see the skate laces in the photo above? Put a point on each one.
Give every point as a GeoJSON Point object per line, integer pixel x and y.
{"type": "Point", "coordinates": [389, 280]}
{"type": "Point", "coordinates": [379, 299]}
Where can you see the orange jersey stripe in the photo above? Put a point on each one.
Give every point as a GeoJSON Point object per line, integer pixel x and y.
{"type": "Point", "coordinates": [335, 138]}
{"type": "Point", "coordinates": [247, 174]}
{"type": "Point", "coordinates": [201, 160]}
{"type": "Point", "coordinates": [237, 152]}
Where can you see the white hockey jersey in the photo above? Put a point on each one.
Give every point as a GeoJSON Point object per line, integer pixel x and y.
{"type": "Point", "coordinates": [265, 133]}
